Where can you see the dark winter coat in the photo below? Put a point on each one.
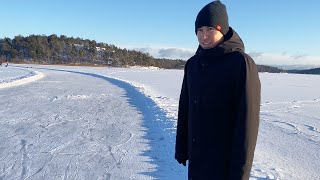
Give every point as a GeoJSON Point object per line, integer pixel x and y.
{"type": "Point", "coordinates": [218, 114]}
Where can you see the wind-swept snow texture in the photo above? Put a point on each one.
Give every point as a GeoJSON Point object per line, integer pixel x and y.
{"type": "Point", "coordinates": [119, 123]}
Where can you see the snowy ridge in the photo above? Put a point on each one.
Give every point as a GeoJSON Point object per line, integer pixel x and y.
{"type": "Point", "coordinates": [20, 79]}
{"type": "Point", "coordinates": [167, 104]}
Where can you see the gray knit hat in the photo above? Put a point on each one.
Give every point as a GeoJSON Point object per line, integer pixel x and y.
{"type": "Point", "coordinates": [214, 15]}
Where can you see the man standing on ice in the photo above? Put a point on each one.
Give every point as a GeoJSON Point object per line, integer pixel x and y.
{"type": "Point", "coordinates": [219, 104]}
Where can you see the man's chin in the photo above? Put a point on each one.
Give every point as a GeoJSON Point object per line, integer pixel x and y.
{"type": "Point", "coordinates": [207, 46]}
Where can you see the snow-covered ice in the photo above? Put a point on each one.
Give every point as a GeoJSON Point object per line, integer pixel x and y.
{"type": "Point", "coordinates": [67, 122]}
{"type": "Point", "coordinates": [74, 124]}
{"type": "Point", "coordinates": [14, 77]}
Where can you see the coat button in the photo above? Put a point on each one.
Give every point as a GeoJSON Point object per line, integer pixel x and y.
{"type": "Point", "coordinates": [195, 101]}
{"type": "Point", "coordinates": [193, 140]}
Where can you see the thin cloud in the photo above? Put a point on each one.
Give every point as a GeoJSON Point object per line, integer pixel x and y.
{"type": "Point", "coordinates": [285, 59]}
{"type": "Point", "coordinates": [175, 53]}
{"type": "Point", "coordinates": [262, 58]}
{"type": "Point", "coordinates": [298, 56]}
{"type": "Point", "coordinates": [169, 53]}
{"type": "Point", "coordinates": [150, 51]}
{"type": "Point", "coordinates": [255, 54]}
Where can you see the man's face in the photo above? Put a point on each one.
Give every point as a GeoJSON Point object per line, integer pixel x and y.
{"type": "Point", "coordinates": [209, 37]}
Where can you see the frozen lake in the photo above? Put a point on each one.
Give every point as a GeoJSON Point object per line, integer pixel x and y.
{"type": "Point", "coordinates": [62, 122]}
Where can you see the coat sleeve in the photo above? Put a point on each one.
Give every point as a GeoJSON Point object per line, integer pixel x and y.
{"type": "Point", "coordinates": [181, 149]}
{"type": "Point", "coordinates": [246, 125]}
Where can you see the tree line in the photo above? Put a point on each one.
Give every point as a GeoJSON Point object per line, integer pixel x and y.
{"type": "Point", "coordinates": [53, 49]}
{"type": "Point", "coordinates": [264, 68]}
{"type": "Point", "coordinates": [306, 71]}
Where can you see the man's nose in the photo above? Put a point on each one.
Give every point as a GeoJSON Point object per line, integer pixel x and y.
{"type": "Point", "coordinates": [205, 35]}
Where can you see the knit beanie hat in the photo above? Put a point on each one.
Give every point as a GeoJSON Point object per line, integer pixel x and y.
{"type": "Point", "coordinates": [214, 15]}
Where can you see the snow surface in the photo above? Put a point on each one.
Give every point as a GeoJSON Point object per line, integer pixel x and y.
{"type": "Point", "coordinates": [119, 123]}
{"type": "Point", "coordinates": [14, 77]}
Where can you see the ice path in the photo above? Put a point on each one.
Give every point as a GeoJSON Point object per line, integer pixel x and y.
{"type": "Point", "coordinates": [67, 129]}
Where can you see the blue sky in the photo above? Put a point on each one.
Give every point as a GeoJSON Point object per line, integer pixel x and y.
{"type": "Point", "coordinates": [274, 32]}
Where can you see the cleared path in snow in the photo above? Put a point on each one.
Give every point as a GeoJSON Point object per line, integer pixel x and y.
{"type": "Point", "coordinates": [71, 126]}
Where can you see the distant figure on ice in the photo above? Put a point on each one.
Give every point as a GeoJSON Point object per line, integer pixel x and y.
{"type": "Point", "coordinates": [7, 64]}
{"type": "Point", "coordinates": [219, 104]}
